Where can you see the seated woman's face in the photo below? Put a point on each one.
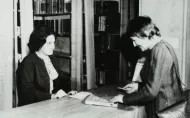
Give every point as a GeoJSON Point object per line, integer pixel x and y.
{"type": "Point", "coordinates": [48, 47]}
{"type": "Point", "coordinates": [141, 42]}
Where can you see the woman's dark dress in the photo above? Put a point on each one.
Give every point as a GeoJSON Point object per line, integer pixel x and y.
{"type": "Point", "coordinates": [161, 85]}
{"type": "Point", "coordinates": [33, 82]}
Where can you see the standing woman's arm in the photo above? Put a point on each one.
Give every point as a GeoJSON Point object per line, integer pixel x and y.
{"type": "Point", "coordinates": [161, 63]}
{"type": "Point", "coordinates": [138, 68]}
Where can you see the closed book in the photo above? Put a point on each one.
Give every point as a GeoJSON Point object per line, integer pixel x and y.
{"type": "Point", "coordinates": [49, 6]}
{"type": "Point", "coordinates": [54, 6]}
{"type": "Point", "coordinates": [36, 6]}
{"type": "Point", "coordinates": [67, 6]}
{"type": "Point", "coordinates": [43, 6]}
{"type": "Point", "coordinates": [61, 6]}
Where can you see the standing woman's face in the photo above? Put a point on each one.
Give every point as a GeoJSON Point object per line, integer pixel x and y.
{"type": "Point", "coordinates": [142, 43]}
{"type": "Point", "coordinates": [48, 47]}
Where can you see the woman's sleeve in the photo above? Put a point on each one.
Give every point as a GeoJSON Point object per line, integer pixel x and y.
{"type": "Point", "coordinates": [27, 84]}
{"type": "Point", "coordinates": [160, 68]}
{"type": "Point", "coordinates": [136, 75]}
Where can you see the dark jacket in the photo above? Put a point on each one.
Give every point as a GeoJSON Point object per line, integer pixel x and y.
{"type": "Point", "coordinates": [33, 82]}
{"type": "Point", "coordinates": [161, 85]}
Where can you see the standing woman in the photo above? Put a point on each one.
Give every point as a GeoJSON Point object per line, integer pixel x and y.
{"type": "Point", "coordinates": [161, 84]}
{"type": "Point", "coordinates": [38, 76]}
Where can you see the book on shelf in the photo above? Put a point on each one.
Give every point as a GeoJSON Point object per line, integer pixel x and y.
{"type": "Point", "coordinates": [67, 7]}
{"type": "Point", "coordinates": [102, 23]}
{"type": "Point", "coordinates": [61, 6]}
{"type": "Point", "coordinates": [49, 6]}
{"type": "Point", "coordinates": [42, 6]}
{"type": "Point", "coordinates": [107, 23]}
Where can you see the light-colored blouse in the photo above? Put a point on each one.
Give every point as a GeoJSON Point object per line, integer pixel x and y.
{"type": "Point", "coordinates": [50, 69]}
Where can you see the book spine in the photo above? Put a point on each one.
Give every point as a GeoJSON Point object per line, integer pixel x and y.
{"type": "Point", "coordinates": [67, 6]}
{"type": "Point", "coordinates": [35, 6]}
{"type": "Point", "coordinates": [49, 6]}
{"type": "Point", "coordinates": [61, 6]}
{"type": "Point", "coordinates": [42, 6]}
{"type": "Point", "coordinates": [54, 6]}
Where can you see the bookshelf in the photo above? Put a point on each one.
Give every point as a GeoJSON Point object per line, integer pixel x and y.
{"type": "Point", "coordinates": [107, 34]}
{"type": "Point", "coordinates": [56, 14]}
{"type": "Point", "coordinates": [110, 22]}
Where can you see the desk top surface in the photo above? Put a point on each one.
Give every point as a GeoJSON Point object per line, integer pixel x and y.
{"type": "Point", "coordinates": [67, 107]}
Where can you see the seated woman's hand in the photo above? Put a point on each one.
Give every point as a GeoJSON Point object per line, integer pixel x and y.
{"type": "Point", "coordinates": [130, 88]}
{"type": "Point", "coordinates": [59, 94]}
{"type": "Point", "coordinates": [72, 92]}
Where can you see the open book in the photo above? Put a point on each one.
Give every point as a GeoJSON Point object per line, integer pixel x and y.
{"type": "Point", "coordinates": [99, 101]}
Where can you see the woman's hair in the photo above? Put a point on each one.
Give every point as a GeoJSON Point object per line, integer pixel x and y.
{"type": "Point", "coordinates": [137, 27]}
{"type": "Point", "coordinates": [38, 38]}
{"type": "Point", "coordinates": [142, 26]}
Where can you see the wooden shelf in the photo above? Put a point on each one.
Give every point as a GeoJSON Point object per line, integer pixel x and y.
{"type": "Point", "coordinates": [56, 14]}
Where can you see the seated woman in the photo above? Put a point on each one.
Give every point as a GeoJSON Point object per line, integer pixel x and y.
{"type": "Point", "coordinates": [38, 76]}
{"type": "Point", "coordinates": [161, 84]}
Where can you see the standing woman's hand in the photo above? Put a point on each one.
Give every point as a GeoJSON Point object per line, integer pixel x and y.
{"type": "Point", "coordinates": [131, 88]}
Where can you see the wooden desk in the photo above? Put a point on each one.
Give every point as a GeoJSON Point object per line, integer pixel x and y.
{"type": "Point", "coordinates": [71, 108]}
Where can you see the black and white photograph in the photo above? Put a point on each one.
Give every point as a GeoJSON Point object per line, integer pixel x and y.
{"type": "Point", "coordinates": [95, 59]}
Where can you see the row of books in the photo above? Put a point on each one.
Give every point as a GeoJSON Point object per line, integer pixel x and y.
{"type": "Point", "coordinates": [51, 6]}
{"type": "Point", "coordinates": [107, 23]}
{"type": "Point", "coordinates": [102, 23]}
{"type": "Point", "coordinates": [60, 26]}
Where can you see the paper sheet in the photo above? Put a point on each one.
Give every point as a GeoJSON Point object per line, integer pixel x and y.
{"type": "Point", "coordinates": [81, 95]}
